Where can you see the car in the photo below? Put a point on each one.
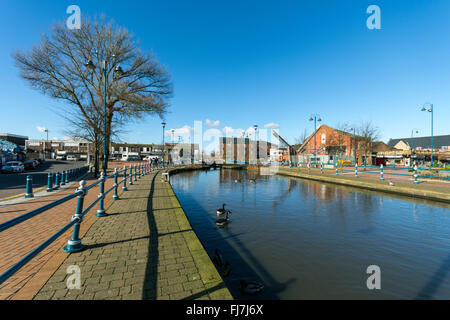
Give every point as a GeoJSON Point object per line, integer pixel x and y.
{"type": "Point", "coordinates": [72, 157]}
{"type": "Point", "coordinates": [29, 164]}
{"type": "Point", "coordinates": [60, 157]}
{"type": "Point", "coordinates": [133, 158]}
{"type": "Point", "coordinates": [13, 166]}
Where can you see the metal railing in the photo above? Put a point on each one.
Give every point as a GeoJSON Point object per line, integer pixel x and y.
{"type": "Point", "coordinates": [413, 172]}
{"type": "Point", "coordinates": [56, 180]}
{"type": "Point", "coordinates": [74, 244]}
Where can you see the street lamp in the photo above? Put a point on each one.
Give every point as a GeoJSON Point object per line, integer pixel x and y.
{"type": "Point", "coordinates": [354, 144]}
{"type": "Point", "coordinates": [315, 119]}
{"type": "Point", "coordinates": [256, 142]}
{"type": "Point", "coordinates": [429, 107]}
{"type": "Point", "coordinates": [117, 70]}
{"type": "Point", "coordinates": [46, 144]}
{"type": "Point", "coordinates": [412, 144]}
{"type": "Point", "coordinates": [164, 149]}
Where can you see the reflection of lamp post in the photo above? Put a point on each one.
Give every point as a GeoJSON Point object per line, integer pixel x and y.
{"type": "Point", "coordinates": [90, 65]}
{"type": "Point", "coordinates": [412, 145]}
{"type": "Point", "coordinates": [429, 107]}
{"type": "Point", "coordinates": [316, 119]}
{"type": "Point", "coordinates": [164, 148]}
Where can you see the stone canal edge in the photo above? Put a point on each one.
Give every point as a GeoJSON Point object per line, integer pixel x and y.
{"type": "Point", "coordinates": [144, 249]}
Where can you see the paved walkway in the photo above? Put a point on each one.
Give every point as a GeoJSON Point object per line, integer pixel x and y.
{"type": "Point", "coordinates": [144, 249]}
{"type": "Point", "coordinates": [19, 240]}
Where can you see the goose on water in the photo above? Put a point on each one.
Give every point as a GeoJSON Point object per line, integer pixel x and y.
{"type": "Point", "coordinates": [225, 271]}
{"type": "Point", "coordinates": [217, 258]}
{"type": "Point", "coordinates": [220, 222]}
{"type": "Point", "coordinates": [221, 211]}
{"type": "Point", "coordinates": [251, 287]}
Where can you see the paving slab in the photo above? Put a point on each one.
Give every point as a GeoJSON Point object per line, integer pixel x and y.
{"type": "Point", "coordinates": [145, 248]}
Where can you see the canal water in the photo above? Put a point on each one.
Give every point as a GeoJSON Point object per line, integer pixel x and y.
{"type": "Point", "coordinates": [310, 240]}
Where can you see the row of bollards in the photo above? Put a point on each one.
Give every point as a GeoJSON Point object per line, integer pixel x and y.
{"type": "Point", "coordinates": [135, 173]}
{"type": "Point", "coordinates": [60, 179]}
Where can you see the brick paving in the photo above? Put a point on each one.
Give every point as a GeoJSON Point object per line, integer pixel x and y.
{"type": "Point", "coordinates": [19, 240]}
{"type": "Point", "coordinates": [144, 249]}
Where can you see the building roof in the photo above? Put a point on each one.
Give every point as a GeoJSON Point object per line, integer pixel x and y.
{"type": "Point", "coordinates": [380, 146]}
{"type": "Point", "coordinates": [13, 136]}
{"type": "Point", "coordinates": [302, 146]}
{"type": "Point", "coordinates": [423, 142]}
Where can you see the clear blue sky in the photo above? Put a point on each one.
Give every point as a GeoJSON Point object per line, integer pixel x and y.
{"type": "Point", "coordinates": [246, 62]}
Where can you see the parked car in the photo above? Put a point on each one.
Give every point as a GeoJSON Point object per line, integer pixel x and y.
{"type": "Point", "coordinates": [133, 158]}
{"type": "Point", "coordinates": [13, 166]}
{"type": "Point", "coordinates": [60, 157]}
{"type": "Point", "coordinates": [72, 157]}
{"type": "Point", "coordinates": [30, 164]}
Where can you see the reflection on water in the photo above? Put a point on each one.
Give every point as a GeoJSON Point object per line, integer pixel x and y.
{"type": "Point", "coordinates": [307, 240]}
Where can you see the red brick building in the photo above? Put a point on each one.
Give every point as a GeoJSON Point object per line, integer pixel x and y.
{"type": "Point", "coordinates": [333, 145]}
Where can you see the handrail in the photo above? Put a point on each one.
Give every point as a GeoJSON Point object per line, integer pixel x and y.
{"type": "Point", "coordinates": [74, 244]}
{"type": "Point", "coordinates": [412, 171]}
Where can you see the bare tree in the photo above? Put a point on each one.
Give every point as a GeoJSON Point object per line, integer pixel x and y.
{"type": "Point", "coordinates": [336, 143]}
{"type": "Point", "coordinates": [368, 134]}
{"type": "Point", "coordinates": [301, 139]}
{"type": "Point", "coordinates": [57, 68]}
{"type": "Point", "coordinates": [79, 128]}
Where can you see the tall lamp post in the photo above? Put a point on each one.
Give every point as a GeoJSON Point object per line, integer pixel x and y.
{"type": "Point", "coordinates": [164, 148]}
{"type": "Point", "coordinates": [256, 143]}
{"type": "Point", "coordinates": [117, 70]}
{"type": "Point", "coordinates": [412, 144]}
{"type": "Point", "coordinates": [315, 119]}
{"type": "Point", "coordinates": [46, 145]}
{"type": "Point", "coordinates": [429, 107]}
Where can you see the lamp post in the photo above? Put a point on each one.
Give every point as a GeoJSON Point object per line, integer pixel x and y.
{"type": "Point", "coordinates": [315, 119]}
{"type": "Point", "coordinates": [164, 149]}
{"type": "Point", "coordinates": [256, 143]}
{"type": "Point", "coordinates": [412, 144]}
{"type": "Point", "coordinates": [429, 107]}
{"type": "Point", "coordinates": [117, 70]}
{"type": "Point", "coordinates": [354, 142]}
{"type": "Point", "coordinates": [46, 145]}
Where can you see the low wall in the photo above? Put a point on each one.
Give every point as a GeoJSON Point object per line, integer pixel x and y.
{"type": "Point", "coordinates": [411, 190]}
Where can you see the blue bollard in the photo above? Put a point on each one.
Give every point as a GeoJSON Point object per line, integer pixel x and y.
{"type": "Point", "coordinates": [135, 173]}
{"type": "Point", "coordinates": [381, 172]}
{"type": "Point", "coordinates": [415, 175]}
{"type": "Point", "coordinates": [356, 170]}
{"type": "Point", "coordinates": [29, 188]}
{"type": "Point", "coordinates": [67, 176]}
{"type": "Point", "coordinates": [74, 244]}
{"type": "Point", "coordinates": [101, 210]}
{"type": "Point", "coordinates": [56, 180]}
{"type": "Point", "coordinates": [131, 175]}
{"type": "Point", "coordinates": [321, 168]}
{"type": "Point", "coordinates": [124, 187]}
{"type": "Point", "coordinates": [49, 182]}
{"type": "Point", "coordinates": [115, 196]}
{"type": "Point", "coordinates": [63, 181]}
{"type": "Point", "coordinates": [337, 169]}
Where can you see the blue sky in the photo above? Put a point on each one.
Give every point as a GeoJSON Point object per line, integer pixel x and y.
{"type": "Point", "coordinates": [258, 62]}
